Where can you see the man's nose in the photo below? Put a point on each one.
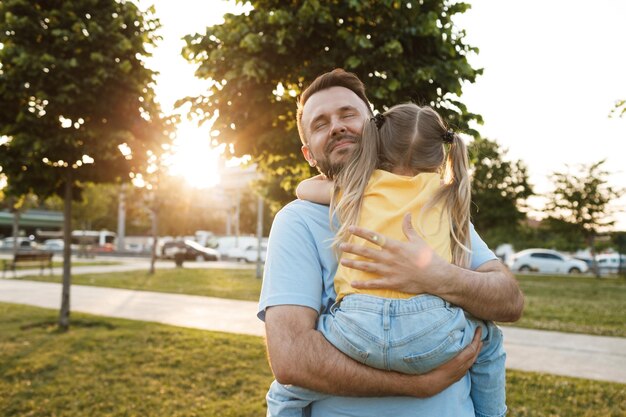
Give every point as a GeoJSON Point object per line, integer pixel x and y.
{"type": "Point", "coordinates": [337, 127]}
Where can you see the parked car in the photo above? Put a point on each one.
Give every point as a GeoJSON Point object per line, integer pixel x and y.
{"type": "Point", "coordinates": [610, 263]}
{"type": "Point", "coordinates": [225, 244]}
{"type": "Point", "coordinates": [192, 250]}
{"type": "Point", "coordinates": [248, 253]}
{"type": "Point", "coordinates": [588, 261]}
{"type": "Point", "coordinates": [135, 247]}
{"type": "Point", "coordinates": [55, 245]}
{"type": "Point", "coordinates": [546, 261]}
{"type": "Point", "coordinates": [23, 243]}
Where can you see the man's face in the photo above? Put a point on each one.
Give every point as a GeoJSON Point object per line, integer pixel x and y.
{"type": "Point", "coordinates": [332, 121]}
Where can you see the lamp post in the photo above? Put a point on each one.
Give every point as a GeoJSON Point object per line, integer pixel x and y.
{"type": "Point", "coordinates": [259, 235]}
{"type": "Point", "coordinates": [121, 219]}
{"type": "Point", "coordinates": [234, 180]}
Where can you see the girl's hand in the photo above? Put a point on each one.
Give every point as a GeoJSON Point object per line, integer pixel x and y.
{"type": "Point", "coordinates": [411, 267]}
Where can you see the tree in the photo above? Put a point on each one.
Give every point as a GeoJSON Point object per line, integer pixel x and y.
{"type": "Point", "coordinates": [619, 110]}
{"type": "Point", "coordinates": [559, 234]}
{"type": "Point", "coordinates": [259, 62]}
{"type": "Point", "coordinates": [619, 240]}
{"type": "Point", "coordinates": [95, 208]}
{"type": "Point", "coordinates": [583, 199]}
{"type": "Point", "coordinates": [77, 101]}
{"type": "Point", "coordinates": [499, 190]}
{"type": "Point", "coordinates": [248, 213]}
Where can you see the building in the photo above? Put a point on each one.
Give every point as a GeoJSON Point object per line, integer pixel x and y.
{"type": "Point", "coordinates": [32, 222]}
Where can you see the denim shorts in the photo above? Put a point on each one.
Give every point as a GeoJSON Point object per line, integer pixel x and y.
{"type": "Point", "coordinates": [411, 336]}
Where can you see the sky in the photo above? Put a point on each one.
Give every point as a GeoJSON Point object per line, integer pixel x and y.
{"type": "Point", "coordinates": [553, 71]}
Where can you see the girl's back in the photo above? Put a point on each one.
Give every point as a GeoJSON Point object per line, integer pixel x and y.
{"type": "Point", "coordinates": [387, 198]}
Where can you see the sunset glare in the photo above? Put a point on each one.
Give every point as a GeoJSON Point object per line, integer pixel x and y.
{"type": "Point", "coordinates": [193, 158]}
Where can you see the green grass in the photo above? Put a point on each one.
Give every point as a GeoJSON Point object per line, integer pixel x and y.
{"type": "Point", "coordinates": [236, 284]}
{"type": "Point", "coordinates": [108, 367]}
{"type": "Point", "coordinates": [574, 304]}
{"type": "Point", "coordinates": [112, 367]}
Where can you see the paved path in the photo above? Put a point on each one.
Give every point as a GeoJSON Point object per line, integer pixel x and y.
{"type": "Point", "coordinates": [591, 357]}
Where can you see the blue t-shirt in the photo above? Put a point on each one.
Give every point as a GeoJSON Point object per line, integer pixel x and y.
{"type": "Point", "coordinates": [299, 254]}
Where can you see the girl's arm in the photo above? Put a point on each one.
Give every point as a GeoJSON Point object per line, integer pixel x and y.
{"type": "Point", "coordinates": [317, 190]}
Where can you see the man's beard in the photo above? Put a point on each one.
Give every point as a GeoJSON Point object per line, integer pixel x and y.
{"type": "Point", "coordinates": [329, 168]}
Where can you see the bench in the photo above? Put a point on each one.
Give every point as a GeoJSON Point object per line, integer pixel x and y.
{"type": "Point", "coordinates": [41, 259]}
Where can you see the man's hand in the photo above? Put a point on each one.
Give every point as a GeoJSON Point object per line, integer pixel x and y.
{"type": "Point", "coordinates": [489, 293]}
{"type": "Point", "coordinates": [445, 375]}
{"type": "Point", "coordinates": [411, 267]}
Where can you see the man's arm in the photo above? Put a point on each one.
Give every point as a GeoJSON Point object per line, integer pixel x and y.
{"type": "Point", "coordinates": [489, 293]}
{"type": "Point", "coordinates": [300, 355]}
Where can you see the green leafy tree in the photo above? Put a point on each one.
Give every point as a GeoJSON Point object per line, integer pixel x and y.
{"type": "Point", "coordinates": [96, 209]}
{"type": "Point", "coordinates": [190, 210]}
{"type": "Point", "coordinates": [259, 62]}
{"type": "Point", "coordinates": [548, 233]}
{"type": "Point", "coordinates": [559, 234]}
{"type": "Point", "coordinates": [618, 239]}
{"type": "Point", "coordinates": [248, 213]}
{"type": "Point", "coordinates": [77, 101]}
{"type": "Point", "coordinates": [583, 199]}
{"type": "Point", "coordinates": [499, 190]}
{"type": "Point", "coordinates": [619, 110]}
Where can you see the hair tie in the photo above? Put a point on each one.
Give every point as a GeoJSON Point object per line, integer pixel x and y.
{"type": "Point", "coordinates": [448, 137]}
{"type": "Point", "coordinates": [379, 119]}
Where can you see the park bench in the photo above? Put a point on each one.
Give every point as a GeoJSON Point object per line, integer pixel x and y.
{"type": "Point", "coordinates": [41, 259]}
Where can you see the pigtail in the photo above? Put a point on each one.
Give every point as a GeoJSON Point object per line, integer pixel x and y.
{"type": "Point", "coordinates": [428, 153]}
{"type": "Point", "coordinates": [457, 195]}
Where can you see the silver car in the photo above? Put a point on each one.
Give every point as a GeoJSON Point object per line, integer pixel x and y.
{"type": "Point", "coordinates": [546, 261]}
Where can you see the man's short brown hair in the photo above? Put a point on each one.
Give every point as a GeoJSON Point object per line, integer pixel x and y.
{"type": "Point", "coordinates": [335, 78]}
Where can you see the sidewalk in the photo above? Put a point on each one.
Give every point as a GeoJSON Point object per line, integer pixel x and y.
{"type": "Point", "coordinates": [590, 357]}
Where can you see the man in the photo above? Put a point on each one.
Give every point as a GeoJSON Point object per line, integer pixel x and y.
{"type": "Point", "coordinates": [298, 283]}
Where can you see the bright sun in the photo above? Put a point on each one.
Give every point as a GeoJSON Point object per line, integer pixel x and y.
{"type": "Point", "coordinates": [193, 157]}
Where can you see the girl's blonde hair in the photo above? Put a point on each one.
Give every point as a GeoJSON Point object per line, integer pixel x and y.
{"type": "Point", "coordinates": [410, 138]}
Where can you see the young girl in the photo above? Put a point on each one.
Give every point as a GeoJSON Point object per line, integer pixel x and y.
{"type": "Point", "coordinates": [397, 169]}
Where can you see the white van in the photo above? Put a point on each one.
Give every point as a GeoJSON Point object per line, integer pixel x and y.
{"type": "Point", "coordinates": [227, 244]}
{"type": "Point", "coordinates": [609, 263]}
{"type": "Point", "coordinates": [249, 253]}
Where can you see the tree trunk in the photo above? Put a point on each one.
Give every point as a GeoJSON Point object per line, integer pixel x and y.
{"type": "Point", "coordinates": [154, 239]}
{"type": "Point", "coordinates": [594, 262]}
{"type": "Point", "coordinates": [64, 316]}
{"type": "Point", "coordinates": [16, 229]}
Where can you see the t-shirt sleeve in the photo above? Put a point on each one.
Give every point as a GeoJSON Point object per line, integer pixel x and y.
{"type": "Point", "coordinates": [293, 272]}
{"type": "Point", "coordinates": [480, 252]}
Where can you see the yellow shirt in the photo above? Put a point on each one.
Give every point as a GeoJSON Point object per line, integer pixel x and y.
{"type": "Point", "coordinates": [387, 198]}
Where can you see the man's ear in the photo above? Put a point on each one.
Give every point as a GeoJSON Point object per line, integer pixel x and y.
{"type": "Point", "coordinates": [308, 155]}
